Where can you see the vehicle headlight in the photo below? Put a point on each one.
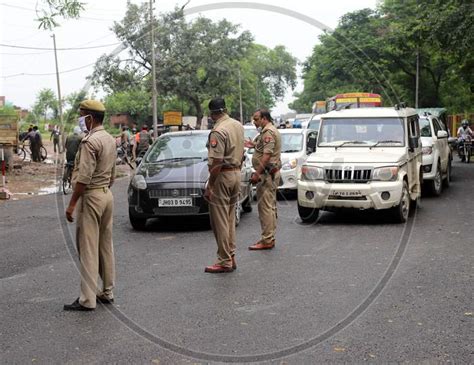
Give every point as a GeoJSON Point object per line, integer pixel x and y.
{"type": "Point", "coordinates": [139, 182]}
{"type": "Point", "coordinates": [427, 150]}
{"type": "Point", "coordinates": [290, 165]}
{"type": "Point", "coordinates": [389, 173]}
{"type": "Point", "coordinates": [310, 173]}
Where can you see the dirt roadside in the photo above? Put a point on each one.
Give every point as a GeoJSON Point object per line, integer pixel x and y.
{"type": "Point", "coordinates": [28, 179]}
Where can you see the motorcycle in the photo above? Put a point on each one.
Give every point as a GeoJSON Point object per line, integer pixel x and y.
{"type": "Point", "coordinates": [464, 149]}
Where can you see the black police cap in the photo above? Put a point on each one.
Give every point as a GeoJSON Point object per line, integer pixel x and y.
{"type": "Point", "coordinates": [217, 105]}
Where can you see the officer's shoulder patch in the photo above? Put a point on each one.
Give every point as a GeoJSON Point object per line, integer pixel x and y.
{"type": "Point", "coordinates": [213, 142]}
{"type": "Point", "coordinates": [267, 139]}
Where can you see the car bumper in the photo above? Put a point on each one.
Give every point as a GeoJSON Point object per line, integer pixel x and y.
{"type": "Point", "coordinates": [327, 196]}
{"type": "Point", "coordinates": [288, 180]}
{"type": "Point", "coordinates": [144, 204]}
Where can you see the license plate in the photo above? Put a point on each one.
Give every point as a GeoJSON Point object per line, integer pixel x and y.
{"type": "Point", "coordinates": [175, 202]}
{"type": "Point", "coordinates": [346, 193]}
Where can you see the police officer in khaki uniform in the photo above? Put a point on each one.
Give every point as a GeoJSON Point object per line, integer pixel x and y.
{"type": "Point", "coordinates": [266, 162]}
{"type": "Point", "coordinates": [225, 152]}
{"type": "Point", "coordinates": [93, 175]}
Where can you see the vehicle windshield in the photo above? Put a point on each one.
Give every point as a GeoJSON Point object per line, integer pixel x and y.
{"type": "Point", "coordinates": [250, 133]}
{"type": "Point", "coordinates": [360, 132]}
{"type": "Point", "coordinates": [178, 147]}
{"type": "Point", "coordinates": [425, 127]}
{"type": "Point", "coordinates": [314, 124]}
{"type": "Point", "coordinates": [291, 142]}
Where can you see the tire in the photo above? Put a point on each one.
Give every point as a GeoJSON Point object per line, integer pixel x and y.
{"type": "Point", "coordinates": [138, 224]}
{"type": "Point", "coordinates": [401, 212]}
{"type": "Point", "coordinates": [436, 185]}
{"type": "Point", "coordinates": [468, 155]}
{"type": "Point", "coordinates": [238, 212]}
{"type": "Point", "coordinates": [447, 179]}
{"type": "Point", "coordinates": [21, 154]}
{"type": "Point", "coordinates": [247, 205]}
{"type": "Point", "coordinates": [43, 153]}
{"type": "Point", "coordinates": [308, 215]}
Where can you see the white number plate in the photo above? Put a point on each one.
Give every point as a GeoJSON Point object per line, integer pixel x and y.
{"type": "Point", "coordinates": [175, 202]}
{"type": "Point", "coordinates": [346, 193]}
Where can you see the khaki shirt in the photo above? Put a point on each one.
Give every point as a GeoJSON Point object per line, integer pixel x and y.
{"type": "Point", "coordinates": [226, 142]}
{"type": "Point", "coordinates": [95, 161]}
{"type": "Point", "coordinates": [268, 141]}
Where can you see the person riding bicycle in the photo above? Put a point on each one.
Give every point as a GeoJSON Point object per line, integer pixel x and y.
{"type": "Point", "coordinates": [464, 132]}
{"type": "Point", "coordinates": [72, 144]}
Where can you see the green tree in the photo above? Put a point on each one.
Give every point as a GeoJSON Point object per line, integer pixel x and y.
{"type": "Point", "coordinates": [46, 103]}
{"type": "Point", "coordinates": [47, 12]}
{"type": "Point", "coordinates": [196, 61]}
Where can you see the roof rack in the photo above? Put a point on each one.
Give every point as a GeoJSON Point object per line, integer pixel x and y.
{"type": "Point", "coordinates": [400, 105]}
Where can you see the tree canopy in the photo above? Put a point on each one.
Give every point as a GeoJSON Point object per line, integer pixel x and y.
{"type": "Point", "coordinates": [376, 51]}
{"type": "Point", "coordinates": [195, 61]}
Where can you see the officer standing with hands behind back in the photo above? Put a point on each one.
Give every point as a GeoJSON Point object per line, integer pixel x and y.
{"type": "Point", "coordinates": [266, 162]}
{"type": "Point", "coordinates": [93, 175]}
{"type": "Point", "coordinates": [225, 152]}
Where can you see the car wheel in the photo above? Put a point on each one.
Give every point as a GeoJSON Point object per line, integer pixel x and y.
{"type": "Point", "coordinates": [238, 212]}
{"type": "Point", "coordinates": [138, 224]}
{"type": "Point", "coordinates": [447, 179]}
{"type": "Point", "coordinates": [308, 215]}
{"type": "Point", "coordinates": [247, 206]}
{"type": "Point", "coordinates": [402, 210]}
{"type": "Point", "coordinates": [437, 182]}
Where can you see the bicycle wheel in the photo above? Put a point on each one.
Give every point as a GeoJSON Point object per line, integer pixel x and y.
{"type": "Point", "coordinates": [66, 183]}
{"type": "Point", "coordinates": [21, 153]}
{"type": "Point", "coordinates": [43, 153]}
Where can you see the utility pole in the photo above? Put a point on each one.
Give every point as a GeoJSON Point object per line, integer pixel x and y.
{"type": "Point", "coordinates": [60, 107]}
{"type": "Point", "coordinates": [417, 79]}
{"type": "Point", "coordinates": [240, 99]}
{"type": "Point", "coordinates": [153, 71]}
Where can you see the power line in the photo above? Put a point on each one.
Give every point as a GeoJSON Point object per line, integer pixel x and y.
{"type": "Point", "coordinates": [48, 74]}
{"type": "Point", "coordinates": [59, 49]}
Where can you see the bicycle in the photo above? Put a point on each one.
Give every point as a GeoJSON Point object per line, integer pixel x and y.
{"type": "Point", "coordinates": [465, 150]}
{"type": "Point", "coordinates": [25, 149]}
{"type": "Point", "coordinates": [67, 177]}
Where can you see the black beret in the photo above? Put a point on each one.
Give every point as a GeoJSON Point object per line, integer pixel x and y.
{"type": "Point", "coordinates": [217, 105]}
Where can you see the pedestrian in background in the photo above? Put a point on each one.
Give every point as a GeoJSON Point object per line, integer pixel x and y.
{"type": "Point", "coordinates": [93, 175]}
{"type": "Point", "coordinates": [55, 137]}
{"type": "Point", "coordinates": [266, 162]}
{"type": "Point", "coordinates": [72, 144]}
{"type": "Point", "coordinates": [35, 144]}
{"type": "Point", "coordinates": [225, 152]}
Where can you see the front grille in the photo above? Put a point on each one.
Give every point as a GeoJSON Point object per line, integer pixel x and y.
{"type": "Point", "coordinates": [174, 193]}
{"type": "Point", "coordinates": [348, 175]}
{"type": "Point", "coordinates": [338, 197]}
{"type": "Point", "coordinates": [176, 211]}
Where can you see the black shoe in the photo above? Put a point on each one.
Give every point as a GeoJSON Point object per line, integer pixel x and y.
{"type": "Point", "coordinates": [76, 306]}
{"type": "Point", "coordinates": [104, 300]}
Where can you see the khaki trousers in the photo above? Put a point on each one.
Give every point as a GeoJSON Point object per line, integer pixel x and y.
{"type": "Point", "coordinates": [267, 210]}
{"type": "Point", "coordinates": [94, 245]}
{"type": "Point", "coordinates": [222, 214]}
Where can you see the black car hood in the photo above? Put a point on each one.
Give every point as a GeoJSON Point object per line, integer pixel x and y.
{"type": "Point", "coordinates": [177, 171]}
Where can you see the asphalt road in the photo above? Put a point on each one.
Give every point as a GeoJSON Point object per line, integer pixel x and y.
{"type": "Point", "coordinates": [351, 288]}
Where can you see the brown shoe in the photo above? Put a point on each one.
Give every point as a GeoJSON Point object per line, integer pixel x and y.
{"type": "Point", "coordinates": [262, 246]}
{"type": "Point", "coordinates": [215, 269]}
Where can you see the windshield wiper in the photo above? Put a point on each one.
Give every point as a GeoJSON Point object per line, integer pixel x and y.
{"type": "Point", "coordinates": [385, 141]}
{"type": "Point", "coordinates": [349, 142]}
{"type": "Point", "coordinates": [178, 159]}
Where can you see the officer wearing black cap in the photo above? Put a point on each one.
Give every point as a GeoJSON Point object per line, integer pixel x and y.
{"type": "Point", "coordinates": [225, 152]}
{"type": "Point", "coordinates": [93, 175]}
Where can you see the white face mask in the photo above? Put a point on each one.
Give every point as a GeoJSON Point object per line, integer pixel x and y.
{"type": "Point", "coordinates": [82, 124]}
{"type": "Point", "coordinates": [259, 129]}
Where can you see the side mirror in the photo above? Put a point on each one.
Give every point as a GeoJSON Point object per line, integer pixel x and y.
{"type": "Point", "coordinates": [442, 134]}
{"type": "Point", "coordinates": [413, 142]}
{"type": "Point", "coordinates": [311, 145]}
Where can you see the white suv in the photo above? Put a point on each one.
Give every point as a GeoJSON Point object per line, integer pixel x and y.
{"type": "Point", "coordinates": [367, 158]}
{"type": "Point", "coordinates": [437, 156]}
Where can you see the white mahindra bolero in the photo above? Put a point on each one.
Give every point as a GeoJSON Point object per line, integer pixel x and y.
{"type": "Point", "coordinates": [367, 158]}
